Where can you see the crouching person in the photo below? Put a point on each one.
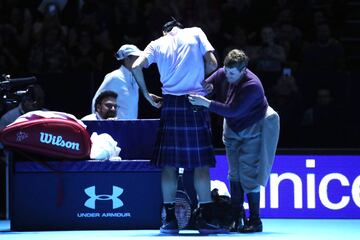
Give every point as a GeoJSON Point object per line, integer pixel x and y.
{"type": "Point", "coordinates": [250, 135]}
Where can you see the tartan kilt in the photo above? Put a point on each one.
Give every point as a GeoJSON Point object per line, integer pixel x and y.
{"type": "Point", "coordinates": [184, 136]}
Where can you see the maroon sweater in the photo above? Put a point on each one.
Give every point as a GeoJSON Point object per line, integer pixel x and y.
{"type": "Point", "coordinates": [245, 103]}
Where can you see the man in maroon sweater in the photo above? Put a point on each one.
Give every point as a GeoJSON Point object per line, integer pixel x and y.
{"type": "Point", "coordinates": [250, 135]}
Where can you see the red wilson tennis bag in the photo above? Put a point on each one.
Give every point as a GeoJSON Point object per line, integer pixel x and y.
{"type": "Point", "coordinates": [61, 137]}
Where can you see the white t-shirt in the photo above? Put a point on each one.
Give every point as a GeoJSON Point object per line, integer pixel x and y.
{"type": "Point", "coordinates": [179, 56]}
{"type": "Point", "coordinates": [124, 84]}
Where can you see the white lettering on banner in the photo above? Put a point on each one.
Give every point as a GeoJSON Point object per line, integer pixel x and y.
{"type": "Point", "coordinates": [310, 186]}
{"type": "Point", "coordinates": [276, 179]}
{"type": "Point", "coordinates": [48, 138]}
{"type": "Point", "coordinates": [104, 215]}
{"type": "Point", "coordinates": [115, 215]}
{"type": "Point", "coordinates": [88, 215]}
{"type": "Point", "coordinates": [114, 198]}
{"type": "Point", "coordinates": [323, 188]}
{"type": "Point", "coordinates": [355, 191]}
{"type": "Point", "coordinates": [262, 199]}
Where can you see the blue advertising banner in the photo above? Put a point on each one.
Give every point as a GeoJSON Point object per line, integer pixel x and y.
{"type": "Point", "coordinates": [308, 186]}
{"type": "Point", "coordinates": [68, 194]}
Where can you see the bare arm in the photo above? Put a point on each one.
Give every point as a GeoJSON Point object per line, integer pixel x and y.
{"type": "Point", "coordinates": [210, 63]}
{"type": "Point", "coordinates": [137, 67]}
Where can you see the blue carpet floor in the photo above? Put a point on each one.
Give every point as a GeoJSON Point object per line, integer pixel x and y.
{"type": "Point", "coordinates": [276, 229]}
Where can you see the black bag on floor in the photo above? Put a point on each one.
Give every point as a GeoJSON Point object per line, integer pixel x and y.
{"type": "Point", "coordinates": [221, 208]}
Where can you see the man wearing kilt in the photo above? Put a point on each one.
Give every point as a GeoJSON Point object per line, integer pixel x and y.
{"type": "Point", "coordinates": [183, 56]}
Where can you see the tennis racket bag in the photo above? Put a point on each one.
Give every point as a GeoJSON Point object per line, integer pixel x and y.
{"type": "Point", "coordinates": [56, 136]}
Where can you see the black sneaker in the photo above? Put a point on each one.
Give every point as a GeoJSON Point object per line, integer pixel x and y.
{"type": "Point", "coordinates": [211, 228]}
{"type": "Point", "coordinates": [170, 227]}
{"type": "Point", "coordinates": [238, 224]}
{"type": "Point", "coordinates": [252, 226]}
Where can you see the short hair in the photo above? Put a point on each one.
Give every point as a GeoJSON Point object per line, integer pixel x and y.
{"type": "Point", "coordinates": [171, 24]}
{"type": "Point", "coordinates": [236, 58]}
{"type": "Point", "coordinates": [103, 95]}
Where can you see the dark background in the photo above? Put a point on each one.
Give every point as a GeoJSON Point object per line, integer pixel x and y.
{"type": "Point", "coordinates": [70, 50]}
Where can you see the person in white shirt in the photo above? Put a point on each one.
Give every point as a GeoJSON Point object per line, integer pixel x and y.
{"type": "Point", "coordinates": [183, 57]}
{"type": "Point", "coordinates": [106, 107]}
{"type": "Point", "coordinates": [123, 83]}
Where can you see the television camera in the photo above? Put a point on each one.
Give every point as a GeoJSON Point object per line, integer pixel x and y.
{"type": "Point", "coordinates": [13, 90]}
